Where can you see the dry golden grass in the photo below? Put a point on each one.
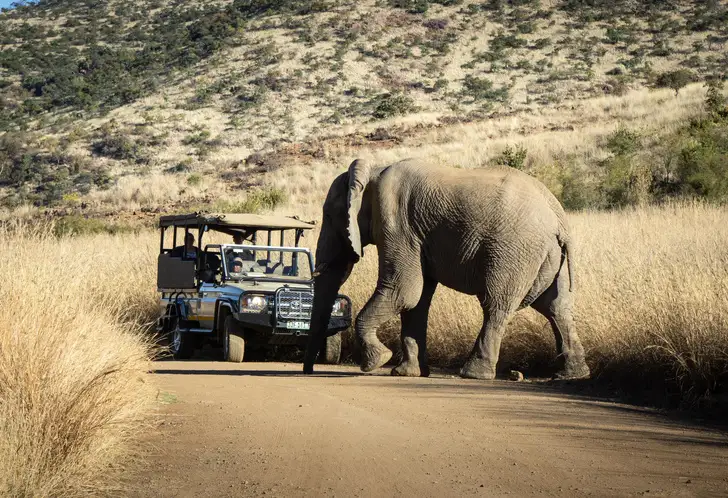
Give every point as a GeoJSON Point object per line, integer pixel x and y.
{"type": "Point", "coordinates": [650, 309]}
{"type": "Point", "coordinates": [652, 284]}
{"type": "Point", "coordinates": [73, 397]}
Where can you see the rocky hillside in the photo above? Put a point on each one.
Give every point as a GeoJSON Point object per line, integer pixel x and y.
{"type": "Point", "coordinates": [136, 104]}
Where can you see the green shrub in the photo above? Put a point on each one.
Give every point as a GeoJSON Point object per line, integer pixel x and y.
{"type": "Point", "coordinates": [513, 157]}
{"type": "Point", "coordinates": [715, 102]}
{"type": "Point", "coordinates": [255, 202]}
{"type": "Point", "coordinates": [702, 163]}
{"type": "Point", "coordinates": [194, 179]}
{"type": "Point", "coordinates": [120, 146]}
{"type": "Point", "coordinates": [502, 41]}
{"type": "Point", "coordinates": [623, 142]}
{"type": "Point", "coordinates": [578, 191]}
{"type": "Point", "coordinates": [626, 182]}
{"type": "Point", "coordinates": [392, 104]}
{"type": "Point", "coordinates": [196, 138]}
{"type": "Point", "coordinates": [676, 79]}
{"type": "Point", "coordinates": [482, 89]}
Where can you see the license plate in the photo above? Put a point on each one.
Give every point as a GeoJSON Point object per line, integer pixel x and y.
{"type": "Point", "coordinates": [297, 325]}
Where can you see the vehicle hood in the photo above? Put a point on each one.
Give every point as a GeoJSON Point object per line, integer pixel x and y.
{"type": "Point", "coordinates": [264, 286]}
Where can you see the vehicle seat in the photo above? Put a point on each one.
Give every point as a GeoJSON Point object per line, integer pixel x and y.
{"type": "Point", "coordinates": [276, 267]}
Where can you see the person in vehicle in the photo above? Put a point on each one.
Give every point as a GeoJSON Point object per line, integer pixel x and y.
{"type": "Point", "coordinates": [236, 266]}
{"type": "Point", "coordinates": [187, 251]}
{"type": "Point", "coordinates": [240, 238]}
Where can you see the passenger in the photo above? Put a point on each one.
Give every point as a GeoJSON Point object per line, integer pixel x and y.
{"type": "Point", "coordinates": [188, 251]}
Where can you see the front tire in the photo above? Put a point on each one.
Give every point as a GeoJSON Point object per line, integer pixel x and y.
{"type": "Point", "coordinates": [331, 353]}
{"type": "Point", "coordinates": [233, 341]}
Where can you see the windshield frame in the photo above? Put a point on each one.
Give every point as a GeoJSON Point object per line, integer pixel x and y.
{"type": "Point", "coordinates": [261, 248]}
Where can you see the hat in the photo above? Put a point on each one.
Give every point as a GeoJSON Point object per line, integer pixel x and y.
{"type": "Point", "coordinates": [237, 261]}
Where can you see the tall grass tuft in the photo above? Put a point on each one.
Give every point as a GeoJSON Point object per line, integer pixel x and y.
{"type": "Point", "coordinates": [73, 397]}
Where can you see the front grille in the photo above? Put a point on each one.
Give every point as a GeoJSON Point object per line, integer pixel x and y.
{"type": "Point", "coordinates": [294, 305]}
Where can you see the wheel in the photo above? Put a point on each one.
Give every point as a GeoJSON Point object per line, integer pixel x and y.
{"type": "Point", "coordinates": [331, 352]}
{"type": "Point", "coordinates": [181, 345]}
{"type": "Point", "coordinates": [233, 341]}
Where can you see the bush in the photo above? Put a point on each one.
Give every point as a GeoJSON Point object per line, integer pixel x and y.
{"type": "Point", "coordinates": [194, 179]}
{"type": "Point", "coordinates": [675, 79]}
{"type": "Point", "coordinates": [482, 89]}
{"type": "Point", "coordinates": [120, 146]}
{"type": "Point", "coordinates": [513, 157]}
{"type": "Point", "coordinates": [254, 202]}
{"type": "Point", "coordinates": [702, 164]}
{"type": "Point", "coordinates": [392, 104]}
{"type": "Point", "coordinates": [623, 142]}
{"type": "Point", "coordinates": [715, 102]}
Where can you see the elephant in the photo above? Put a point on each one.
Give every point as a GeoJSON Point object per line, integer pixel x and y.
{"type": "Point", "coordinates": [495, 232]}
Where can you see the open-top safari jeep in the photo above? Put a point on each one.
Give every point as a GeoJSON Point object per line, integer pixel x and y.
{"type": "Point", "coordinates": [240, 294]}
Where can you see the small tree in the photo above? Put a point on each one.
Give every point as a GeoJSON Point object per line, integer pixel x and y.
{"type": "Point", "coordinates": [515, 158]}
{"type": "Point", "coordinates": [675, 79]}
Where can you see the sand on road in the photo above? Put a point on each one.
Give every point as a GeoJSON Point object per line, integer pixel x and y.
{"type": "Point", "coordinates": [264, 429]}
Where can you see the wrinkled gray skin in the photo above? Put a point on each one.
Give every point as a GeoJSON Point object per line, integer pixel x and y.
{"type": "Point", "coordinates": [495, 233]}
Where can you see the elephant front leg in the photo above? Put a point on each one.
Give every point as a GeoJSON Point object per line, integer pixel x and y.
{"type": "Point", "coordinates": [379, 309]}
{"type": "Point", "coordinates": [414, 363]}
{"type": "Point", "coordinates": [414, 336]}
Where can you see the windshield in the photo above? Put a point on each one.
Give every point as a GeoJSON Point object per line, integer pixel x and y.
{"type": "Point", "coordinates": [244, 261]}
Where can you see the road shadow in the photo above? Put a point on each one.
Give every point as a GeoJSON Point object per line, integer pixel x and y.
{"type": "Point", "coordinates": [450, 384]}
{"type": "Point", "coordinates": [249, 373]}
{"type": "Point", "coordinates": [580, 392]}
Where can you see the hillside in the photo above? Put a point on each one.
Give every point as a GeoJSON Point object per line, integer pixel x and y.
{"type": "Point", "coordinates": [109, 106]}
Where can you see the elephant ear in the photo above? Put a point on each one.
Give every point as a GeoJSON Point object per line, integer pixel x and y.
{"type": "Point", "coordinates": [358, 180]}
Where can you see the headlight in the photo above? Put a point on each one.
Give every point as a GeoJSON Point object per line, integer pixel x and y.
{"type": "Point", "coordinates": [253, 304]}
{"type": "Point", "coordinates": [341, 307]}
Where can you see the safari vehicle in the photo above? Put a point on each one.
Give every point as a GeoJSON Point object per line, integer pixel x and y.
{"type": "Point", "coordinates": [239, 295]}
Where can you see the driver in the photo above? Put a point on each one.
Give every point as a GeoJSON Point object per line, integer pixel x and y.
{"type": "Point", "coordinates": [236, 265]}
{"type": "Point", "coordinates": [239, 239]}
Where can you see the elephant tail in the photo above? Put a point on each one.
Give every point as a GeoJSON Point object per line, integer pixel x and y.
{"type": "Point", "coordinates": [569, 262]}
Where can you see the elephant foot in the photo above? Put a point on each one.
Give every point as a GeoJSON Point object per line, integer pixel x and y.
{"type": "Point", "coordinates": [572, 372]}
{"type": "Point", "coordinates": [407, 369]}
{"type": "Point", "coordinates": [477, 369]}
{"type": "Point", "coordinates": [307, 369]}
{"type": "Point", "coordinates": [374, 357]}
{"type": "Point", "coordinates": [424, 371]}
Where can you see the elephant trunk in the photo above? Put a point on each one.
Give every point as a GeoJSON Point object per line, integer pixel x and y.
{"type": "Point", "coordinates": [327, 281]}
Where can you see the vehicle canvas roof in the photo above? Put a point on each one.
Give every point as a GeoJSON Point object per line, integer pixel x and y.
{"type": "Point", "coordinates": [235, 220]}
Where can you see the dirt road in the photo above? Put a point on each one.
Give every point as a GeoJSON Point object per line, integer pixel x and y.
{"type": "Point", "coordinates": [264, 429]}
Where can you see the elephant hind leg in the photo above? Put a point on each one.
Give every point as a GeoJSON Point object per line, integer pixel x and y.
{"type": "Point", "coordinates": [556, 305]}
{"type": "Point", "coordinates": [481, 364]}
{"type": "Point", "coordinates": [414, 335]}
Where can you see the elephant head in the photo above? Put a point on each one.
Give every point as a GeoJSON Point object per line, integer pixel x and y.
{"type": "Point", "coordinates": [345, 231]}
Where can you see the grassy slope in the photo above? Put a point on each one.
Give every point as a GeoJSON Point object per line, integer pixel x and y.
{"type": "Point", "coordinates": [282, 79]}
